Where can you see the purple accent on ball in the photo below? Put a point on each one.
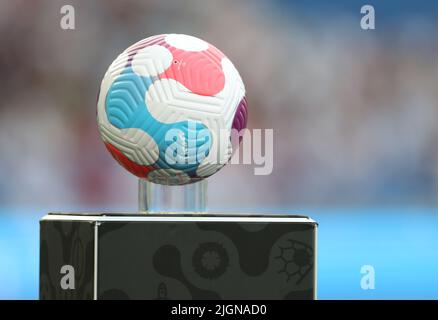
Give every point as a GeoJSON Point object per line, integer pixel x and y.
{"type": "Point", "coordinates": [241, 117]}
{"type": "Point", "coordinates": [132, 50]}
{"type": "Point", "coordinates": [239, 123]}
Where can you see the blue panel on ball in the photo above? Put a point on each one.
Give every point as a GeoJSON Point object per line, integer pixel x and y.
{"type": "Point", "coordinates": [184, 142]}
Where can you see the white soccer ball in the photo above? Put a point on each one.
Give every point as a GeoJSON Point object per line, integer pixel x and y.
{"type": "Point", "coordinates": [167, 106]}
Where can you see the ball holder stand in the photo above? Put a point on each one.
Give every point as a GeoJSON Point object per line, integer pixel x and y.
{"type": "Point", "coordinates": [173, 249]}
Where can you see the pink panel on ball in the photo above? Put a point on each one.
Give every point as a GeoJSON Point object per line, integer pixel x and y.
{"type": "Point", "coordinates": [200, 72]}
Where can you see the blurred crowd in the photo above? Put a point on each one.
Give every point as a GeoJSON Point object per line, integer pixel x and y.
{"type": "Point", "coordinates": [353, 111]}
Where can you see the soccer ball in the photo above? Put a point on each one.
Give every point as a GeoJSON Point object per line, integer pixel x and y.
{"type": "Point", "coordinates": [167, 108]}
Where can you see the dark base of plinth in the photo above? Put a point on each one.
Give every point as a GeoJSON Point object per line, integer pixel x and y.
{"type": "Point", "coordinates": [177, 256]}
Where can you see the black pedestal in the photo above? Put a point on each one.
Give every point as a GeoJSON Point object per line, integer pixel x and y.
{"type": "Point", "coordinates": [177, 256]}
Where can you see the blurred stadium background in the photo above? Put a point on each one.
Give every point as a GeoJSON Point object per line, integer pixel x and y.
{"type": "Point", "coordinates": [354, 116]}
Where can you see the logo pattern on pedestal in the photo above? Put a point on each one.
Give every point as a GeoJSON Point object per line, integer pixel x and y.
{"type": "Point", "coordinates": [210, 260]}
{"type": "Point", "coordinates": [296, 259]}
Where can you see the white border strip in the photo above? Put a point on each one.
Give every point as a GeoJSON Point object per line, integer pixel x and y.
{"type": "Point", "coordinates": [96, 246]}
{"type": "Point", "coordinates": [168, 218]}
{"type": "Point", "coordinates": [315, 267]}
